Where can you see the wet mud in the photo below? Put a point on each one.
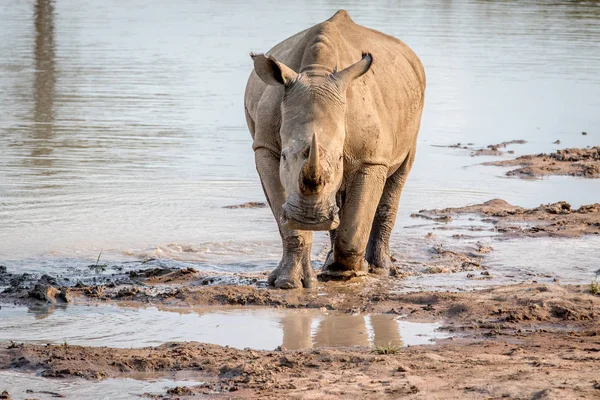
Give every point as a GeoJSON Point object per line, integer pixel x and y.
{"type": "Point", "coordinates": [583, 163]}
{"type": "Point", "coordinates": [523, 340]}
{"type": "Point", "coordinates": [553, 220]}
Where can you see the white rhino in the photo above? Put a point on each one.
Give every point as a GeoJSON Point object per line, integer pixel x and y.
{"type": "Point", "coordinates": [334, 112]}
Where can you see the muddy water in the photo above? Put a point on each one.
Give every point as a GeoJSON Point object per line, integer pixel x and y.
{"type": "Point", "coordinates": [256, 328]}
{"type": "Point", "coordinates": [26, 385]}
{"type": "Point", "coordinates": [121, 123]}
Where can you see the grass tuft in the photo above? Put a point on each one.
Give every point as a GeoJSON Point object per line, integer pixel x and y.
{"type": "Point", "coordinates": [595, 287]}
{"type": "Point", "coordinates": [388, 349]}
{"type": "Point", "coordinates": [98, 267]}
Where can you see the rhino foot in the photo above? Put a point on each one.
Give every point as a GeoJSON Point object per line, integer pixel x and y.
{"type": "Point", "coordinates": [379, 265]}
{"type": "Point", "coordinates": [342, 271]}
{"type": "Point", "coordinates": [340, 275]}
{"type": "Point", "coordinates": [292, 275]}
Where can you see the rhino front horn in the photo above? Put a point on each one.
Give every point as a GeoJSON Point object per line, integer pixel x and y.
{"type": "Point", "coordinates": [312, 174]}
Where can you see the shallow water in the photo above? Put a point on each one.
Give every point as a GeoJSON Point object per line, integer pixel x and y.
{"type": "Point", "coordinates": [256, 328]}
{"type": "Point", "coordinates": [122, 127]}
{"type": "Point", "coordinates": [23, 385]}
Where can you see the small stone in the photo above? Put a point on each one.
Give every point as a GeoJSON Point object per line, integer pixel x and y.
{"type": "Point", "coordinates": [584, 133]}
{"type": "Point", "coordinates": [403, 368]}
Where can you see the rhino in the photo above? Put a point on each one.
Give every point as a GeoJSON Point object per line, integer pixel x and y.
{"type": "Point", "coordinates": [334, 113]}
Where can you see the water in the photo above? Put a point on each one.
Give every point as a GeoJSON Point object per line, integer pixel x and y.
{"type": "Point", "coordinates": [22, 385]}
{"type": "Point", "coordinates": [256, 328]}
{"type": "Point", "coordinates": [122, 127]}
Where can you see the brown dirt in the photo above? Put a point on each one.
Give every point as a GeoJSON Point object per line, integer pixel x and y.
{"type": "Point", "coordinates": [524, 341]}
{"type": "Point", "coordinates": [574, 162]}
{"type": "Point", "coordinates": [556, 219]}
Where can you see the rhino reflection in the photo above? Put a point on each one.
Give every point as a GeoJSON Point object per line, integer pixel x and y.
{"type": "Point", "coordinates": [340, 330]}
{"type": "Point", "coordinates": [45, 83]}
{"type": "Point", "coordinates": [297, 331]}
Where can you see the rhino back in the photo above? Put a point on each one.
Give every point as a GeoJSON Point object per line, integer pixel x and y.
{"type": "Point", "coordinates": [384, 105]}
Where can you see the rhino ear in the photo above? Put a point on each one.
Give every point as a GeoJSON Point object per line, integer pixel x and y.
{"type": "Point", "coordinates": [359, 68]}
{"type": "Point", "coordinates": [271, 71]}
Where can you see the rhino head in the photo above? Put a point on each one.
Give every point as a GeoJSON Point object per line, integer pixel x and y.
{"type": "Point", "coordinates": [313, 131]}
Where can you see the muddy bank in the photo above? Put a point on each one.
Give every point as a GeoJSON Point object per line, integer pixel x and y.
{"type": "Point", "coordinates": [518, 342]}
{"type": "Point", "coordinates": [573, 162]}
{"type": "Point", "coordinates": [159, 285]}
{"type": "Point", "coordinates": [555, 220]}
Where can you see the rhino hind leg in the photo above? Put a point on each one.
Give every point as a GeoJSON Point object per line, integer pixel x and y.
{"type": "Point", "coordinates": [295, 269]}
{"type": "Point", "coordinates": [378, 250]}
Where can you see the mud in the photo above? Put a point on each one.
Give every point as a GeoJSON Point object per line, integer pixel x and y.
{"type": "Point", "coordinates": [554, 220]}
{"type": "Point", "coordinates": [572, 162]}
{"type": "Point", "coordinates": [518, 342]}
{"type": "Point", "coordinates": [489, 150]}
{"type": "Point", "coordinates": [522, 341]}
{"type": "Point", "coordinates": [188, 286]}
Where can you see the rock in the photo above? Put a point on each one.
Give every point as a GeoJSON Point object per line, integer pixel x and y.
{"type": "Point", "coordinates": [180, 391]}
{"type": "Point", "coordinates": [5, 395]}
{"type": "Point", "coordinates": [18, 280]}
{"type": "Point", "coordinates": [50, 294]}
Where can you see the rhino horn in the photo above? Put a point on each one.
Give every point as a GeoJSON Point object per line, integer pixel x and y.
{"type": "Point", "coordinates": [312, 173]}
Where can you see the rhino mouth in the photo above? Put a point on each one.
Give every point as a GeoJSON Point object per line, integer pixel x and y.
{"type": "Point", "coordinates": [293, 218]}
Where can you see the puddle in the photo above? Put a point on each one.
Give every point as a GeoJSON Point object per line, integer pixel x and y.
{"type": "Point", "coordinates": [257, 328]}
{"type": "Point", "coordinates": [21, 385]}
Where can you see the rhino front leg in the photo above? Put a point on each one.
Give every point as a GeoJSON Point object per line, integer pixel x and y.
{"type": "Point", "coordinates": [378, 249]}
{"type": "Point", "coordinates": [360, 204]}
{"type": "Point", "coordinates": [294, 269]}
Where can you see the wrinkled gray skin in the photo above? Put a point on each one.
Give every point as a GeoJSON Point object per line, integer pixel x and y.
{"type": "Point", "coordinates": [334, 113]}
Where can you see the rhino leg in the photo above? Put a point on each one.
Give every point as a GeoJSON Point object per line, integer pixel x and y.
{"type": "Point", "coordinates": [378, 249]}
{"type": "Point", "coordinates": [351, 237]}
{"type": "Point", "coordinates": [294, 269]}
